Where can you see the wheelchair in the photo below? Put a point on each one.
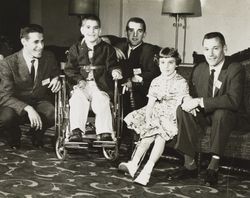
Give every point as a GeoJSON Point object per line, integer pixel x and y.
{"type": "Point", "coordinates": [110, 149]}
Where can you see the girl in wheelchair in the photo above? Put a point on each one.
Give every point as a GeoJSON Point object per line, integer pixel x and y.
{"type": "Point", "coordinates": [91, 69]}
{"type": "Point", "coordinates": [156, 122]}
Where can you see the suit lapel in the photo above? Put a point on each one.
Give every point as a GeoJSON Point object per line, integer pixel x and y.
{"type": "Point", "coordinates": [204, 76]}
{"type": "Point", "coordinates": [222, 75]}
{"type": "Point", "coordinates": [23, 68]}
{"type": "Point", "coordinates": [40, 70]}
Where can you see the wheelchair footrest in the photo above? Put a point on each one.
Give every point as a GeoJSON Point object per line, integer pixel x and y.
{"type": "Point", "coordinates": [106, 144]}
{"type": "Point", "coordinates": [89, 137]}
{"type": "Point", "coordinates": [76, 144]}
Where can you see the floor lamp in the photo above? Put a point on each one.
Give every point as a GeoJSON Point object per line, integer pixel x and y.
{"type": "Point", "coordinates": [180, 9]}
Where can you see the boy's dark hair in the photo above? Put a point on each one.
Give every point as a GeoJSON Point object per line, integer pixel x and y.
{"type": "Point", "coordinates": [137, 20]}
{"type": "Point", "coordinates": [29, 29]}
{"type": "Point", "coordinates": [90, 17]}
{"type": "Point", "coordinates": [218, 35]}
{"type": "Point", "coordinates": [168, 53]}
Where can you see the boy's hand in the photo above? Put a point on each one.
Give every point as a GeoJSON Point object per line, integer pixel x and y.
{"type": "Point", "coordinates": [117, 74]}
{"type": "Point", "coordinates": [81, 85]}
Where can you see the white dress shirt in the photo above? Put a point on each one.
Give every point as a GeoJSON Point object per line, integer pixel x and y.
{"type": "Point", "coordinates": [132, 48]}
{"type": "Point", "coordinates": [28, 63]}
{"type": "Point", "coordinates": [217, 69]}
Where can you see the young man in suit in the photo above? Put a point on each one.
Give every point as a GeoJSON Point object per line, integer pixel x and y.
{"type": "Point", "coordinates": [138, 66]}
{"type": "Point", "coordinates": [216, 88]}
{"type": "Point", "coordinates": [137, 59]}
{"type": "Point", "coordinates": [28, 79]}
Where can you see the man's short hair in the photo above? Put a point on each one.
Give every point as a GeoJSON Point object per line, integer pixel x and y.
{"type": "Point", "coordinates": [137, 20]}
{"type": "Point", "coordinates": [218, 35]}
{"type": "Point", "coordinates": [29, 29]}
{"type": "Point", "coordinates": [91, 17]}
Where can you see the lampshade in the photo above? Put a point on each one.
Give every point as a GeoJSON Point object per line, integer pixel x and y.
{"type": "Point", "coordinates": [182, 7]}
{"type": "Point", "coordinates": [83, 7]}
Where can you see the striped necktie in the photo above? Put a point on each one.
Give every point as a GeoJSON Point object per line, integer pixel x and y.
{"type": "Point", "coordinates": [32, 70]}
{"type": "Point", "coordinates": [210, 84]}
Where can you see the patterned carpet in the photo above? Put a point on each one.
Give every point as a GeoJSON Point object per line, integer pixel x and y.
{"type": "Point", "coordinates": [29, 173]}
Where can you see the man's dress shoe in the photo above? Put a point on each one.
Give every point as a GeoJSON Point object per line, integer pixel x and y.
{"type": "Point", "coordinates": [211, 177]}
{"type": "Point", "coordinates": [15, 147]}
{"type": "Point", "coordinates": [38, 143]}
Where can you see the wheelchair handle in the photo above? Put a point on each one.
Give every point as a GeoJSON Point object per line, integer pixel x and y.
{"type": "Point", "coordinates": [115, 95]}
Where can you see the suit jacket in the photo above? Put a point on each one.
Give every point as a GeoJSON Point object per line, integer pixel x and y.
{"type": "Point", "coordinates": [142, 58]}
{"type": "Point", "coordinates": [104, 56]}
{"type": "Point", "coordinates": [229, 95]}
{"type": "Point", "coordinates": [16, 87]}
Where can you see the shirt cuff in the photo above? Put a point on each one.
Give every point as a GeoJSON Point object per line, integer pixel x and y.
{"type": "Point", "coordinates": [201, 102]}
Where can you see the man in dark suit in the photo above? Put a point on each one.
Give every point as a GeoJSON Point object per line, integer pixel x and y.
{"type": "Point", "coordinates": [28, 79]}
{"type": "Point", "coordinates": [137, 59]}
{"type": "Point", "coordinates": [217, 94]}
{"type": "Point", "coordinates": [138, 66]}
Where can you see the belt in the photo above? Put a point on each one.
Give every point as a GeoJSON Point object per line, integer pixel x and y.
{"type": "Point", "coordinates": [92, 67]}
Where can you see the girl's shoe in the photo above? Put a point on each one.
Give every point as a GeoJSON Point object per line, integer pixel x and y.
{"type": "Point", "coordinates": [143, 178]}
{"type": "Point", "coordinates": [128, 167]}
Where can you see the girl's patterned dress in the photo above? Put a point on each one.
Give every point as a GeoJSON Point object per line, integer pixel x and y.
{"type": "Point", "coordinates": [168, 93]}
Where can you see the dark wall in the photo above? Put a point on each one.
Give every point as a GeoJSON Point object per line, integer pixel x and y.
{"type": "Point", "coordinates": [13, 15]}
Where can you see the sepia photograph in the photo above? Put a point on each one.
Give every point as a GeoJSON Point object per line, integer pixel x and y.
{"type": "Point", "coordinates": [124, 98]}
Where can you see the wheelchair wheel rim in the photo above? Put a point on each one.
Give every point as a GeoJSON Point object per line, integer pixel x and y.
{"type": "Point", "coordinates": [110, 153]}
{"type": "Point", "coordinates": [61, 152]}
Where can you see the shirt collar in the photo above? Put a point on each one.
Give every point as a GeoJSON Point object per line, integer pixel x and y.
{"type": "Point", "coordinates": [134, 47]}
{"type": "Point", "coordinates": [83, 42]}
{"type": "Point", "coordinates": [218, 67]}
{"type": "Point", "coordinates": [27, 58]}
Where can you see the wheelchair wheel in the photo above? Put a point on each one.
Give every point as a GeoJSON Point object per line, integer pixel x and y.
{"type": "Point", "coordinates": [61, 152]}
{"type": "Point", "coordinates": [111, 154]}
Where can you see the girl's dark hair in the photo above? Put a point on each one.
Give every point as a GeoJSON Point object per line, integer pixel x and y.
{"type": "Point", "coordinates": [168, 53]}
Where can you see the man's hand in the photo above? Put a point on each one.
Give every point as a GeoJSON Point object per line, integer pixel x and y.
{"type": "Point", "coordinates": [127, 86]}
{"type": "Point", "coordinates": [119, 54]}
{"type": "Point", "coordinates": [137, 79]}
{"type": "Point", "coordinates": [191, 104]}
{"type": "Point", "coordinates": [55, 85]}
{"type": "Point", "coordinates": [35, 119]}
{"type": "Point", "coordinates": [116, 74]}
{"type": "Point", "coordinates": [194, 112]}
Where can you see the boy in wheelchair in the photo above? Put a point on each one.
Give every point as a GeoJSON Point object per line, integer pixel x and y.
{"type": "Point", "coordinates": [91, 68]}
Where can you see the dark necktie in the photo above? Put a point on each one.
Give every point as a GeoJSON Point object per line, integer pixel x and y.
{"type": "Point", "coordinates": [32, 70]}
{"type": "Point", "coordinates": [210, 84]}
